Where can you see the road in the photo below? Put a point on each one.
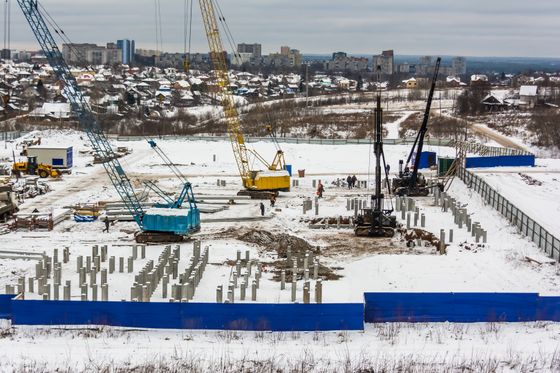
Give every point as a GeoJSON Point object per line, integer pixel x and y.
{"type": "Point", "coordinates": [483, 130]}
{"type": "Point", "coordinates": [503, 140]}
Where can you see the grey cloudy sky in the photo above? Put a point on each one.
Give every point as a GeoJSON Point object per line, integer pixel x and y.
{"type": "Point", "coordinates": [449, 27]}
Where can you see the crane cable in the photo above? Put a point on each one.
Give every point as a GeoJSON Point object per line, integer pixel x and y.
{"type": "Point", "coordinates": [226, 29]}
{"type": "Point", "coordinates": [159, 34]}
{"type": "Point", "coordinates": [188, 16]}
{"type": "Point", "coordinates": [65, 39]}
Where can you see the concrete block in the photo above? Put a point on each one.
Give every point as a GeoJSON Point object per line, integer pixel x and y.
{"type": "Point", "coordinates": [112, 265]}
{"type": "Point", "coordinates": [105, 292]}
{"type": "Point", "coordinates": [319, 291]}
{"type": "Point", "coordinates": [219, 292]}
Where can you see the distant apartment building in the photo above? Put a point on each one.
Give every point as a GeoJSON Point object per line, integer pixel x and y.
{"type": "Point", "coordinates": [127, 49]}
{"type": "Point", "coordinates": [92, 54]}
{"type": "Point", "coordinates": [255, 50]}
{"type": "Point", "coordinates": [459, 66]}
{"type": "Point", "coordinates": [407, 68]}
{"type": "Point", "coordinates": [286, 58]}
{"type": "Point", "coordinates": [341, 62]}
{"type": "Point", "coordinates": [337, 55]}
{"type": "Point", "coordinates": [147, 52]}
{"type": "Point", "coordinates": [239, 59]}
{"type": "Point", "coordinates": [247, 53]}
{"type": "Point", "coordinates": [6, 54]}
{"type": "Point", "coordinates": [386, 61]}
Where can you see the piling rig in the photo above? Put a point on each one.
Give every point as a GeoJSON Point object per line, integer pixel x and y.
{"type": "Point", "coordinates": [411, 182]}
{"type": "Point", "coordinates": [377, 221]}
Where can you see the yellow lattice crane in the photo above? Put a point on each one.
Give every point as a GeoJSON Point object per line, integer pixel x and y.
{"type": "Point", "coordinates": [257, 183]}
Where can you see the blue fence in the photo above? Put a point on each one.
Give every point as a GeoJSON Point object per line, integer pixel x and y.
{"type": "Point", "coordinates": [500, 161]}
{"type": "Point", "coordinates": [460, 307]}
{"type": "Point", "coordinates": [6, 306]}
{"type": "Point", "coordinates": [378, 307]}
{"type": "Point", "coordinates": [270, 317]}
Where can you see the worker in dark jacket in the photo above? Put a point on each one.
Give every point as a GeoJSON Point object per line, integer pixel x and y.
{"type": "Point", "coordinates": [262, 209]}
{"type": "Point", "coordinates": [106, 221]}
{"type": "Point", "coordinates": [354, 180]}
{"type": "Point", "coordinates": [320, 190]}
{"type": "Point", "coordinates": [349, 181]}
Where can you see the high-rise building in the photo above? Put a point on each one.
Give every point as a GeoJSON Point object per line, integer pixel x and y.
{"type": "Point", "coordinates": [285, 51]}
{"type": "Point", "coordinates": [386, 61]}
{"type": "Point", "coordinates": [338, 55]}
{"type": "Point", "coordinates": [459, 65]}
{"type": "Point", "coordinates": [127, 47]}
{"type": "Point", "coordinates": [254, 49]}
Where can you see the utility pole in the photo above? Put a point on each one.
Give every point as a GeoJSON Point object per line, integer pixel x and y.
{"type": "Point", "coordinates": [306, 85]}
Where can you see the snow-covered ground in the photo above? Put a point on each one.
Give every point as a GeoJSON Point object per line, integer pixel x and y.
{"type": "Point", "coordinates": [540, 202]}
{"type": "Point", "coordinates": [364, 265]}
{"type": "Point", "coordinates": [436, 347]}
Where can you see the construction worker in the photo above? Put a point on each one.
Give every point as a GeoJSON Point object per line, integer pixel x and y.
{"type": "Point", "coordinates": [106, 221]}
{"type": "Point", "coordinates": [320, 190]}
{"type": "Point", "coordinates": [349, 181]}
{"type": "Point", "coordinates": [272, 201]}
{"type": "Point", "coordinates": [262, 209]}
{"type": "Point", "coordinates": [354, 181]}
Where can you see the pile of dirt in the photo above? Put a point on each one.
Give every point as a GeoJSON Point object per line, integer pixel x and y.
{"type": "Point", "coordinates": [529, 180]}
{"type": "Point", "coordinates": [419, 234]}
{"type": "Point", "coordinates": [279, 243]}
{"type": "Point", "coordinates": [331, 220]}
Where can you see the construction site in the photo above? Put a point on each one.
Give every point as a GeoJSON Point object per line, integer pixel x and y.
{"type": "Point", "coordinates": [236, 253]}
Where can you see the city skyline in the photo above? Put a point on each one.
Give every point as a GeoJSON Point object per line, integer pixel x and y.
{"type": "Point", "coordinates": [499, 28]}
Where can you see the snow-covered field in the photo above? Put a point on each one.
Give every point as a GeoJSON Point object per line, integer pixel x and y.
{"type": "Point", "coordinates": [437, 347]}
{"type": "Point", "coordinates": [535, 190]}
{"type": "Point", "coordinates": [500, 265]}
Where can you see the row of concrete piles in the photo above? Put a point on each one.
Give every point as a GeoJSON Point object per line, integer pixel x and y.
{"type": "Point", "coordinates": [92, 267]}
{"type": "Point", "coordinates": [241, 276]}
{"type": "Point", "coordinates": [410, 212]}
{"type": "Point", "coordinates": [300, 268]}
{"type": "Point", "coordinates": [88, 272]}
{"type": "Point", "coordinates": [185, 290]}
{"type": "Point", "coordinates": [48, 268]}
{"type": "Point", "coordinates": [461, 217]}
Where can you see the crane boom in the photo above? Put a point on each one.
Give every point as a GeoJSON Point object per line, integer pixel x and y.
{"type": "Point", "coordinates": [424, 127]}
{"type": "Point", "coordinates": [217, 56]}
{"type": "Point", "coordinates": [257, 183]}
{"type": "Point", "coordinates": [79, 105]}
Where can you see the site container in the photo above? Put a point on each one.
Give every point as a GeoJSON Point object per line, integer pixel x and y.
{"type": "Point", "coordinates": [57, 157]}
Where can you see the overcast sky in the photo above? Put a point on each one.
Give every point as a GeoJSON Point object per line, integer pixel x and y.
{"type": "Point", "coordinates": [446, 27]}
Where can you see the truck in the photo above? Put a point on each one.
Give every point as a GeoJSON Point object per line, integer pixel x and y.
{"type": "Point", "coordinates": [60, 158]}
{"type": "Point", "coordinates": [8, 203]}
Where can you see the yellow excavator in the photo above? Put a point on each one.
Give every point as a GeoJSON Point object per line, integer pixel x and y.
{"type": "Point", "coordinates": [259, 184]}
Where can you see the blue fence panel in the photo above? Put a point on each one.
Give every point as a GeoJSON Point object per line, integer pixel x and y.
{"type": "Point", "coordinates": [500, 161]}
{"type": "Point", "coordinates": [548, 309]}
{"type": "Point", "coordinates": [453, 307]}
{"type": "Point", "coordinates": [274, 317]}
{"type": "Point", "coordinates": [427, 159]}
{"type": "Point", "coordinates": [6, 306]}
